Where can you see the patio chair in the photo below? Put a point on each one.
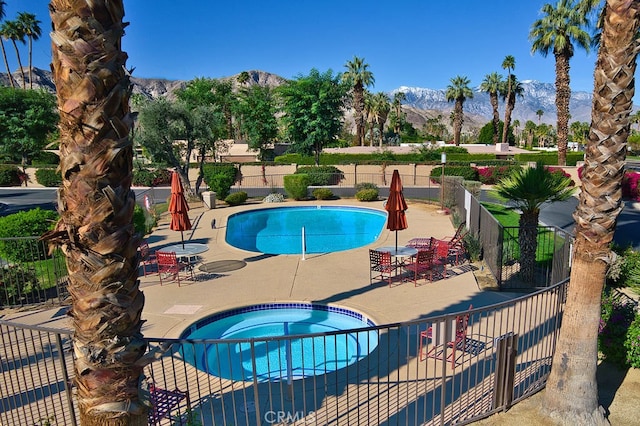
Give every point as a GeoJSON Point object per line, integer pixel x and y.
{"type": "Point", "coordinates": [458, 343]}
{"type": "Point", "coordinates": [422, 266]}
{"type": "Point", "coordinates": [163, 402]}
{"type": "Point", "coordinates": [147, 257]}
{"type": "Point", "coordinates": [456, 243]}
{"type": "Point", "coordinates": [421, 243]}
{"type": "Point", "coordinates": [380, 266]}
{"type": "Point", "coordinates": [169, 264]}
{"type": "Point", "coordinates": [441, 250]}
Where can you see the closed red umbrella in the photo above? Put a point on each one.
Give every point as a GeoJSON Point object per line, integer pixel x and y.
{"type": "Point", "coordinates": [178, 207]}
{"type": "Point", "coordinates": [396, 206]}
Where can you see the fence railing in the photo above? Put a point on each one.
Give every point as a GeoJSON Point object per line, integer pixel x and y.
{"type": "Point", "coordinates": [407, 379]}
{"type": "Point", "coordinates": [29, 273]}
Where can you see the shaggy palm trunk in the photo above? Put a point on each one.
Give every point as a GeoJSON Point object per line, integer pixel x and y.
{"type": "Point", "coordinates": [358, 105]}
{"type": "Point", "coordinates": [571, 393]}
{"type": "Point", "coordinates": [528, 242]}
{"type": "Point", "coordinates": [493, 98]}
{"type": "Point", "coordinates": [96, 204]}
{"type": "Point", "coordinates": [457, 121]}
{"type": "Point", "coordinates": [24, 79]}
{"type": "Point", "coordinates": [563, 95]}
{"type": "Point", "coordinates": [507, 113]}
{"type": "Point", "coordinates": [6, 64]}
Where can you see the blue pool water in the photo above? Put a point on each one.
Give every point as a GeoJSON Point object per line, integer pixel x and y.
{"type": "Point", "coordinates": [278, 359]}
{"type": "Point", "coordinates": [327, 229]}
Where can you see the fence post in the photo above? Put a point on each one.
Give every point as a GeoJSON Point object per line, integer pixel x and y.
{"type": "Point", "coordinates": [506, 351]}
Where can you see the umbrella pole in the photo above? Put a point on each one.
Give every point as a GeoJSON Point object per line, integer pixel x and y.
{"type": "Point", "coordinates": [396, 241]}
{"type": "Point", "coordinates": [182, 238]}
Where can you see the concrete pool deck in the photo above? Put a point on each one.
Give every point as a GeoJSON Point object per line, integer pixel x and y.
{"type": "Point", "coordinates": [340, 278]}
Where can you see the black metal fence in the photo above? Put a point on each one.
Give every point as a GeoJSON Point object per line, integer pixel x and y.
{"type": "Point", "coordinates": [420, 372]}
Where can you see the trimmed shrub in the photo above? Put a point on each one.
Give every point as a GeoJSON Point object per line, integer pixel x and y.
{"type": "Point", "coordinates": [322, 175]}
{"type": "Point", "coordinates": [143, 221]}
{"type": "Point", "coordinates": [17, 281]}
{"type": "Point", "coordinates": [549, 158]}
{"type": "Point", "coordinates": [48, 177]}
{"type": "Point", "coordinates": [220, 177]}
{"type": "Point", "coordinates": [31, 223]}
{"type": "Point", "coordinates": [367, 195]}
{"type": "Point", "coordinates": [236, 198]}
{"type": "Point", "coordinates": [466, 172]}
{"type": "Point", "coordinates": [147, 177]}
{"type": "Point", "coordinates": [366, 185]}
{"type": "Point", "coordinates": [46, 158]}
{"type": "Point", "coordinates": [491, 175]}
{"type": "Point", "coordinates": [632, 343]}
{"type": "Point", "coordinates": [297, 186]}
{"type": "Point", "coordinates": [322, 194]}
{"type": "Point", "coordinates": [11, 176]}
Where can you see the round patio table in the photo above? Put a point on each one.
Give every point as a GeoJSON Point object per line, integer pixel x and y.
{"type": "Point", "coordinates": [187, 253]}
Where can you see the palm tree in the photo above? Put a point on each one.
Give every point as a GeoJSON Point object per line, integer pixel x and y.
{"type": "Point", "coordinates": [491, 84]}
{"type": "Point", "coordinates": [509, 91]}
{"type": "Point", "coordinates": [509, 63]}
{"type": "Point", "coordinates": [529, 188]}
{"type": "Point", "coordinates": [539, 113]}
{"type": "Point", "coordinates": [4, 36]}
{"type": "Point", "coordinates": [30, 26]}
{"type": "Point", "coordinates": [530, 129]}
{"type": "Point", "coordinates": [558, 31]}
{"type": "Point", "coordinates": [571, 392]}
{"type": "Point", "coordinates": [398, 97]}
{"type": "Point", "coordinates": [458, 91]}
{"type": "Point", "coordinates": [96, 204]}
{"type": "Point", "coordinates": [359, 77]}
{"type": "Point", "coordinates": [14, 32]}
{"type": "Point", "coordinates": [516, 126]}
{"type": "Point", "coordinates": [381, 108]}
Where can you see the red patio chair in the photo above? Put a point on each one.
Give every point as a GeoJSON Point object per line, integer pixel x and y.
{"type": "Point", "coordinates": [147, 257]}
{"type": "Point", "coordinates": [168, 264]}
{"type": "Point", "coordinates": [422, 266]}
{"type": "Point", "coordinates": [458, 343]}
{"type": "Point", "coordinates": [163, 402]}
{"type": "Point", "coordinates": [381, 266]}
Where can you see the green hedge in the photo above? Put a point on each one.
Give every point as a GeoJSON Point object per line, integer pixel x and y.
{"type": "Point", "coordinates": [322, 194]}
{"type": "Point", "coordinates": [321, 175]}
{"type": "Point", "coordinates": [297, 186]}
{"type": "Point", "coordinates": [466, 172]}
{"type": "Point", "coordinates": [367, 195]}
{"type": "Point", "coordinates": [31, 223]}
{"type": "Point", "coordinates": [549, 158]}
{"type": "Point", "coordinates": [46, 158]}
{"type": "Point", "coordinates": [151, 177]}
{"type": "Point", "coordinates": [220, 177]}
{"type": "Point", "coordinates": [10, 176]}
{"type": "Point", "coordinates": [387, 157]}
{"type": "Point", "coordinates": [48, 177]}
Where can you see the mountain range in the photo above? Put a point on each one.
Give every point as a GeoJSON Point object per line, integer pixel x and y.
{"type": "Point", "coordinates": [420, 105]}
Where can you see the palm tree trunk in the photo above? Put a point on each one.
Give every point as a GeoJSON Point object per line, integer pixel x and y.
{"type": "Point", "coordinates": [571, 393]}
{"type": "Point", "coordinates": [30, 63]}
{"type": "Point", "coordinates": [528, 242]}
{"type": "Point", "coordinates": [493, 97]}
{"type": "Point", "coordinates": [96, 204]}
{"type": "Point", "coordinates": [457, 122]}
{"type": "Point", "coordinates": [505, 129]}
{"type": "Point", "coordinates": [6, 64]}
{"type": "Point", "coordinates": [508, 110]}
{"type": "Point", "coordinates": [563, 94]}
{"type": "Point", "coordinates": [24, 79]}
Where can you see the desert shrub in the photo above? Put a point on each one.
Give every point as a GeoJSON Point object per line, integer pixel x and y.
{"type": "Point", "coordinates": [48, 177]}
{"type": "Point", "coordinates": [632, 343]}
{"type": "Point", "coordinates": [322, 194]}
{"type": "Point", "coordinates": [11, 176]}
{"type": "Point", "coordinates": [367, 195]}
{"type": "Point", "coordinates": [236, 198]}
{"type": "Point", "coordinates": [473, 246]}
{"type": "Point", "coordinates": [31, 223]}
{"type": "Point", "coordinates": [220, 178]}
{"type": "Point", "coordinates": [365, 185]}
{"type": "Point", "coordinates": [616, 317]}
{"type": "Point", "coordinates": [474, 187]}
{"type": "Point", "coordinates": [625, 270]}
{"type": "Point", "coordinates": [321, 175]}
{"type": "Point", "coordinates": [46, 157]}
{"type": "Point", "coordinates": [297, 186]}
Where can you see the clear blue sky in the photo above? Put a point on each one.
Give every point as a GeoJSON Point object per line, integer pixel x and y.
{"type": "Point", "coordinates": [421, 43]}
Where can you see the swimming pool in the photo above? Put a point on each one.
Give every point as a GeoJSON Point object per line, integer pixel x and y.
{"type": "Point", "coordinates": [278, 358]}
{"type": "Point", "coordinates": [326, 229]}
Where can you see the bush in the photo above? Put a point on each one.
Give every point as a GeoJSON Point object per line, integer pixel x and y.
{"type": "Point", "coordinates": [466, 172]}
{"type": "Point", "coordinates": [625, 270]}
{"type": "Point", "coordinates": [630, 186]}
{"type": "Point", "coordinates": [236, 198]}
{"type": "Point", "coordinates": [220, 178]}
{"type": "Point", "coordinates": [17, 281]}
{"type": "Point", "coordinates": [322, 194]}
{"type": "Point", "coordinates": [365, 185]}
{"type": "Point", "coordinates": [616, 317]}
{"type": "Point", "coordinates": [297, 186]}
{"type": "Point", "coordinates": [11, 176]}
{"type": "Point", "coordinates": [143, 221]}
{"type": "Point", "coordinates": [146, 177]}
{"type": "Point", "coordinates": [31, 223]}
{"type": "Point", "coordinates": [632, 343]}
{"type": "Point", "coordinates": [494, 174]}
{"type": "Point", "coordinates": [321, 175]}
{"type": "Point", "coordinates": [274, 198]}
{"type": "Point", "coordinates": [48, 177]}
{"type": "Point", "coordinates": [367, 195]}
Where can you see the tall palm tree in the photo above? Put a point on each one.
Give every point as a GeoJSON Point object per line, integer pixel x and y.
{"type": "Point", "coordinates": [539, 113]}
{"type": "Point", "coordinates": [96, 204]}
{"type": "Point", "coordinates": [398, 97]}
{"type": "Point", "coordinates": [458, 91]}
{"type": "Point", "coordinates": [509, 64]}
{"type": "Point", "coordinates": [13, 31]}
{"type": "Point", "coordinates": [491, 84]}
{"type": "Point", "coordinates": [2, 37]}
{"type": "Point", "coordinates": [571, 392]}
{"type": "Point", "coordinates": [514, 89]}
{"type": "Point", "coordinates": [529, 188]}
{"type": "Point", "coordinates": [381, 108]}
{"type": "Point", "coordinates": [359, 77]}
{"type": "Point", "coordinates": [561, 27]}
{"type": "Point", "coordinates": [31, 28]}
{"type": "Point", "coordinates": [530, 129]}
{"type": "Point", "coordinates": [516, 126]}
